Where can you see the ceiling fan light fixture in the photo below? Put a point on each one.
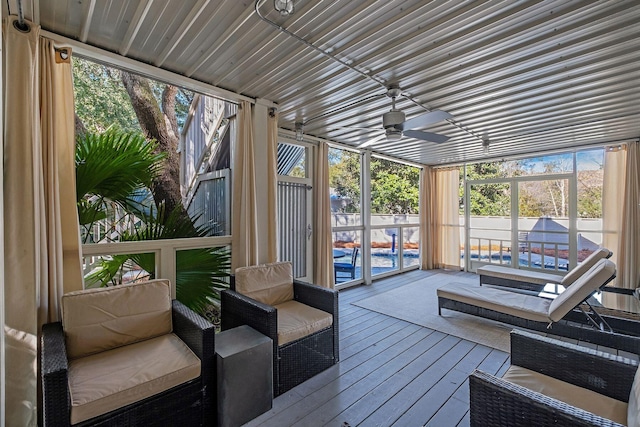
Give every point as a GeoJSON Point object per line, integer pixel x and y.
{"type": "Point", "coordinates": [393, 135]}
{"type": "Point", "coordinates": [299, 131]}
{"type": "Point", "coordinates": [285, 7]}
{"type": "Point", "coordinates": [485, 146]}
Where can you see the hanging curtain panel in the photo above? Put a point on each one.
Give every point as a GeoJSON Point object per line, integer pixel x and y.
{"type": "Point", "coordinates": [323, 259]}
{"type": "Point", "coordinates": [272, 186]}
{"type": "Point", "coordinates": [244, 222]}
{"type": "Point", "coordinates": [42, 242]}
{"type": "Point", "coordinates": [427, 221]}
{"type": "Point", "coordinates": [621, 221]}
{"type": "Point", "coordinates": [439, 218]}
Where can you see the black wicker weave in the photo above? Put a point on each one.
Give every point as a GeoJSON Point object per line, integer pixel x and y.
{"type": "Point", "coordinates": [191, 403]}
{"type": "Point", "coordinates": [572, 326]}
{"type": "Point", "coordinates": [297, 361]}
{"type": "Point", "coordinates": [496, 402]}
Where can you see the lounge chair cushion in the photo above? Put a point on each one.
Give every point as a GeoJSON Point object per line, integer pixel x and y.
{"type": "Point", "coordinates": [584, 266]}
{"type": "Point", "coordinates": [109, 380]}
{"type": "Point", "coordinates": [271, 284]}
{"type": "Point", "coordinates": [578, 397]}
{"type": "Point", "coordinates": [633, 412]}
{"type": "Point", "coordinates": [297, 320]}
{"type": "Point", "coordinates": [513, 303]}
{"type": "Point", "coordinates": [573, 295]}
{"type": "Point", "coordinates": [105, 318]}
{"type": "Point", "coordinates": [517, 275]}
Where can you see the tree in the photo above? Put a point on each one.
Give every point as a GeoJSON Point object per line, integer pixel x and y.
{"type": "Point", "coordinates": [394, 186]}
{"type": "Point", "coordinates": [107, 96]}
{"type": "Point", "coordinates": [158, 122]}
{"type": "Point", "coordinates": [490, 199]}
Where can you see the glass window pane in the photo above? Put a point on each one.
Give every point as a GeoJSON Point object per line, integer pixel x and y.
{"type": "Point", "coordinates": [394, 189]}
{"type": "Point", "coordinates": [384, 250]}
{"type": "Point", "coordinates": [344, 245]}
{"type": "Point", "coordinates": [109, 270]}
{"type": "Point", "coordinates": [344, 182]}
{"type": "Point", "coordinates": [410, 246]}
{"type": "Point", "coordinates": [292, 160]}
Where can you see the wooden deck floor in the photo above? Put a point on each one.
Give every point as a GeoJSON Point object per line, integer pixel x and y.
{"type": "Point", "coordinates": [391, 372]}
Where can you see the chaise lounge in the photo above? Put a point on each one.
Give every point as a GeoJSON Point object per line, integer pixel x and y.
{"type": "Point", "coordinates": [559, 316]}
{"type": "Point", "coordinates": [498, 275]}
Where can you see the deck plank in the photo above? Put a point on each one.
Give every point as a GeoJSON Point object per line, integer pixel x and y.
{"type": "Point", "coordinates": [390, 371]}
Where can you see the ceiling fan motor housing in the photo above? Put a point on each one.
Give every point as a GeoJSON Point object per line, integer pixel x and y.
{"type": "Point", "coordinates": [393, 118]}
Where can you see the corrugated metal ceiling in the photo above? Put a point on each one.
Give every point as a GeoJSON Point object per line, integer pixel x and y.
{"type": "Point", "coordinates": [531, 75]}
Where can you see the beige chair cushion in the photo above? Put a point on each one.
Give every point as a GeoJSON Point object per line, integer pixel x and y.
{"type": "Point", "coordinates": [584, 266]}
{"type": "Point", "coordinates": [581, 288]}
{"type": "Point", "coordinates": [578, 397]}
{"type": "Point", "coordinates": [297, 320]}
{"type": "Point", "coordinates": [518, 275]}
{"type": "Point", "coordinates": [96, 320]}
{"type": "Point", "coordinates": [513, 303]}
{"type": "Point", "coordinates": [106, 381]}
{"type": "Point", "coordinates": [271, 284]}
{"type": "Point", "coordinates": [633, 411]}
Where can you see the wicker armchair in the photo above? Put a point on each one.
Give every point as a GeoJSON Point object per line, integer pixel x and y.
{"type": "Point", "coordinates": [173, 402]}
{"type": "Point", "coordinates": [294, 360]}
{"type": "Point", "coordinates": [576, 386]}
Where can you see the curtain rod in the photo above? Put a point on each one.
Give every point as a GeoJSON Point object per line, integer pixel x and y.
{"type": "Point", "coordinates": [135, 66]}
{"type": "Point", "coordinates": [21, 24]}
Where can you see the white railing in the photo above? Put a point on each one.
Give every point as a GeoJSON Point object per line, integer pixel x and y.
{"type": "Point", "coordinates": [165, 252]}
{"type": "Point", "coordinates": [536, 253]}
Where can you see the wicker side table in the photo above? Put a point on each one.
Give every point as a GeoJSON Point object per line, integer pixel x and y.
{"type": "Point", "coordinates": [244, 364]}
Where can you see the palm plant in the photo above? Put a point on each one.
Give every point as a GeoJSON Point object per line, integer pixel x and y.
{"type": "Point", "coordinates": [114, 171]}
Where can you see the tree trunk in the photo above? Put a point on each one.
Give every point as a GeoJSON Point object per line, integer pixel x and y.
{"type": "Point", "coordinates": [161, 125]}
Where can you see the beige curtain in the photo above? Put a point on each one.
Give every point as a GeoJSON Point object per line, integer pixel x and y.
{"type": "Point", "coordinates": [621, 220]}
{"type": "Point", "coordinates": [42, 258]}
{"type": "Point", "coordinates": [272, 177]}
{"type": "Point", "coordinates": [440, 222]}
{"type": "Point", "coordinates": [323, 259]}
{"type": "Point", "coordinates": [244, 222]}
{"type": "Point", "coordinates": [428, 230]}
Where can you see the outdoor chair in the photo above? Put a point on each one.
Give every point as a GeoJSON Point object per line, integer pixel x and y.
{"type": "Point", "coordinates": [555, 383]}
{"type": "Point", "coordinates": [569, 314]}
{"type": "Point", "coordinates": [345, 267]}
{"type": "Point", "coordinates": [127, 355]}
{"type": "Point", "coordinates": [300, 318]}
{"type": "Point", "coordinates": [498, 275]}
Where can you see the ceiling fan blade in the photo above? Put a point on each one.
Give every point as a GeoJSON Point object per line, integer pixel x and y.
{"type": "Point", "coordinates": [373, 141]}
{"type": "Point", "coordinates": [426, 136]}
{"type": "Point", "coordinates": [424, 120]}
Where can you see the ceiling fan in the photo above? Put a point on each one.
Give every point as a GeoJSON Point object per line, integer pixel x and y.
{"type": "Point", "coordinates": [396, 126]}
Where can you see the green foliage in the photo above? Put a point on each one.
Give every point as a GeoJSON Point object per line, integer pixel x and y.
{"type": "Point", "coordinates": [344, 170]}
{"type": "Point", "coordinates": [101, 100]}
{"type": "Point", "coordinates": [113, 168]}
{"type": "Point", "coordinates": [113, 172]}
{"type": "Point", "coordinates": [491, 199]}
{"type": "Point", "coordinates": [394, 187]}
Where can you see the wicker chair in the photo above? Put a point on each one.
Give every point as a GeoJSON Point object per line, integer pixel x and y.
{"type": "Point", "coordinates": [127, 334]}
{"type": "Point", "coordinates": [554, 383]}
{"type": "Point", "coordinates": [267, 298]}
